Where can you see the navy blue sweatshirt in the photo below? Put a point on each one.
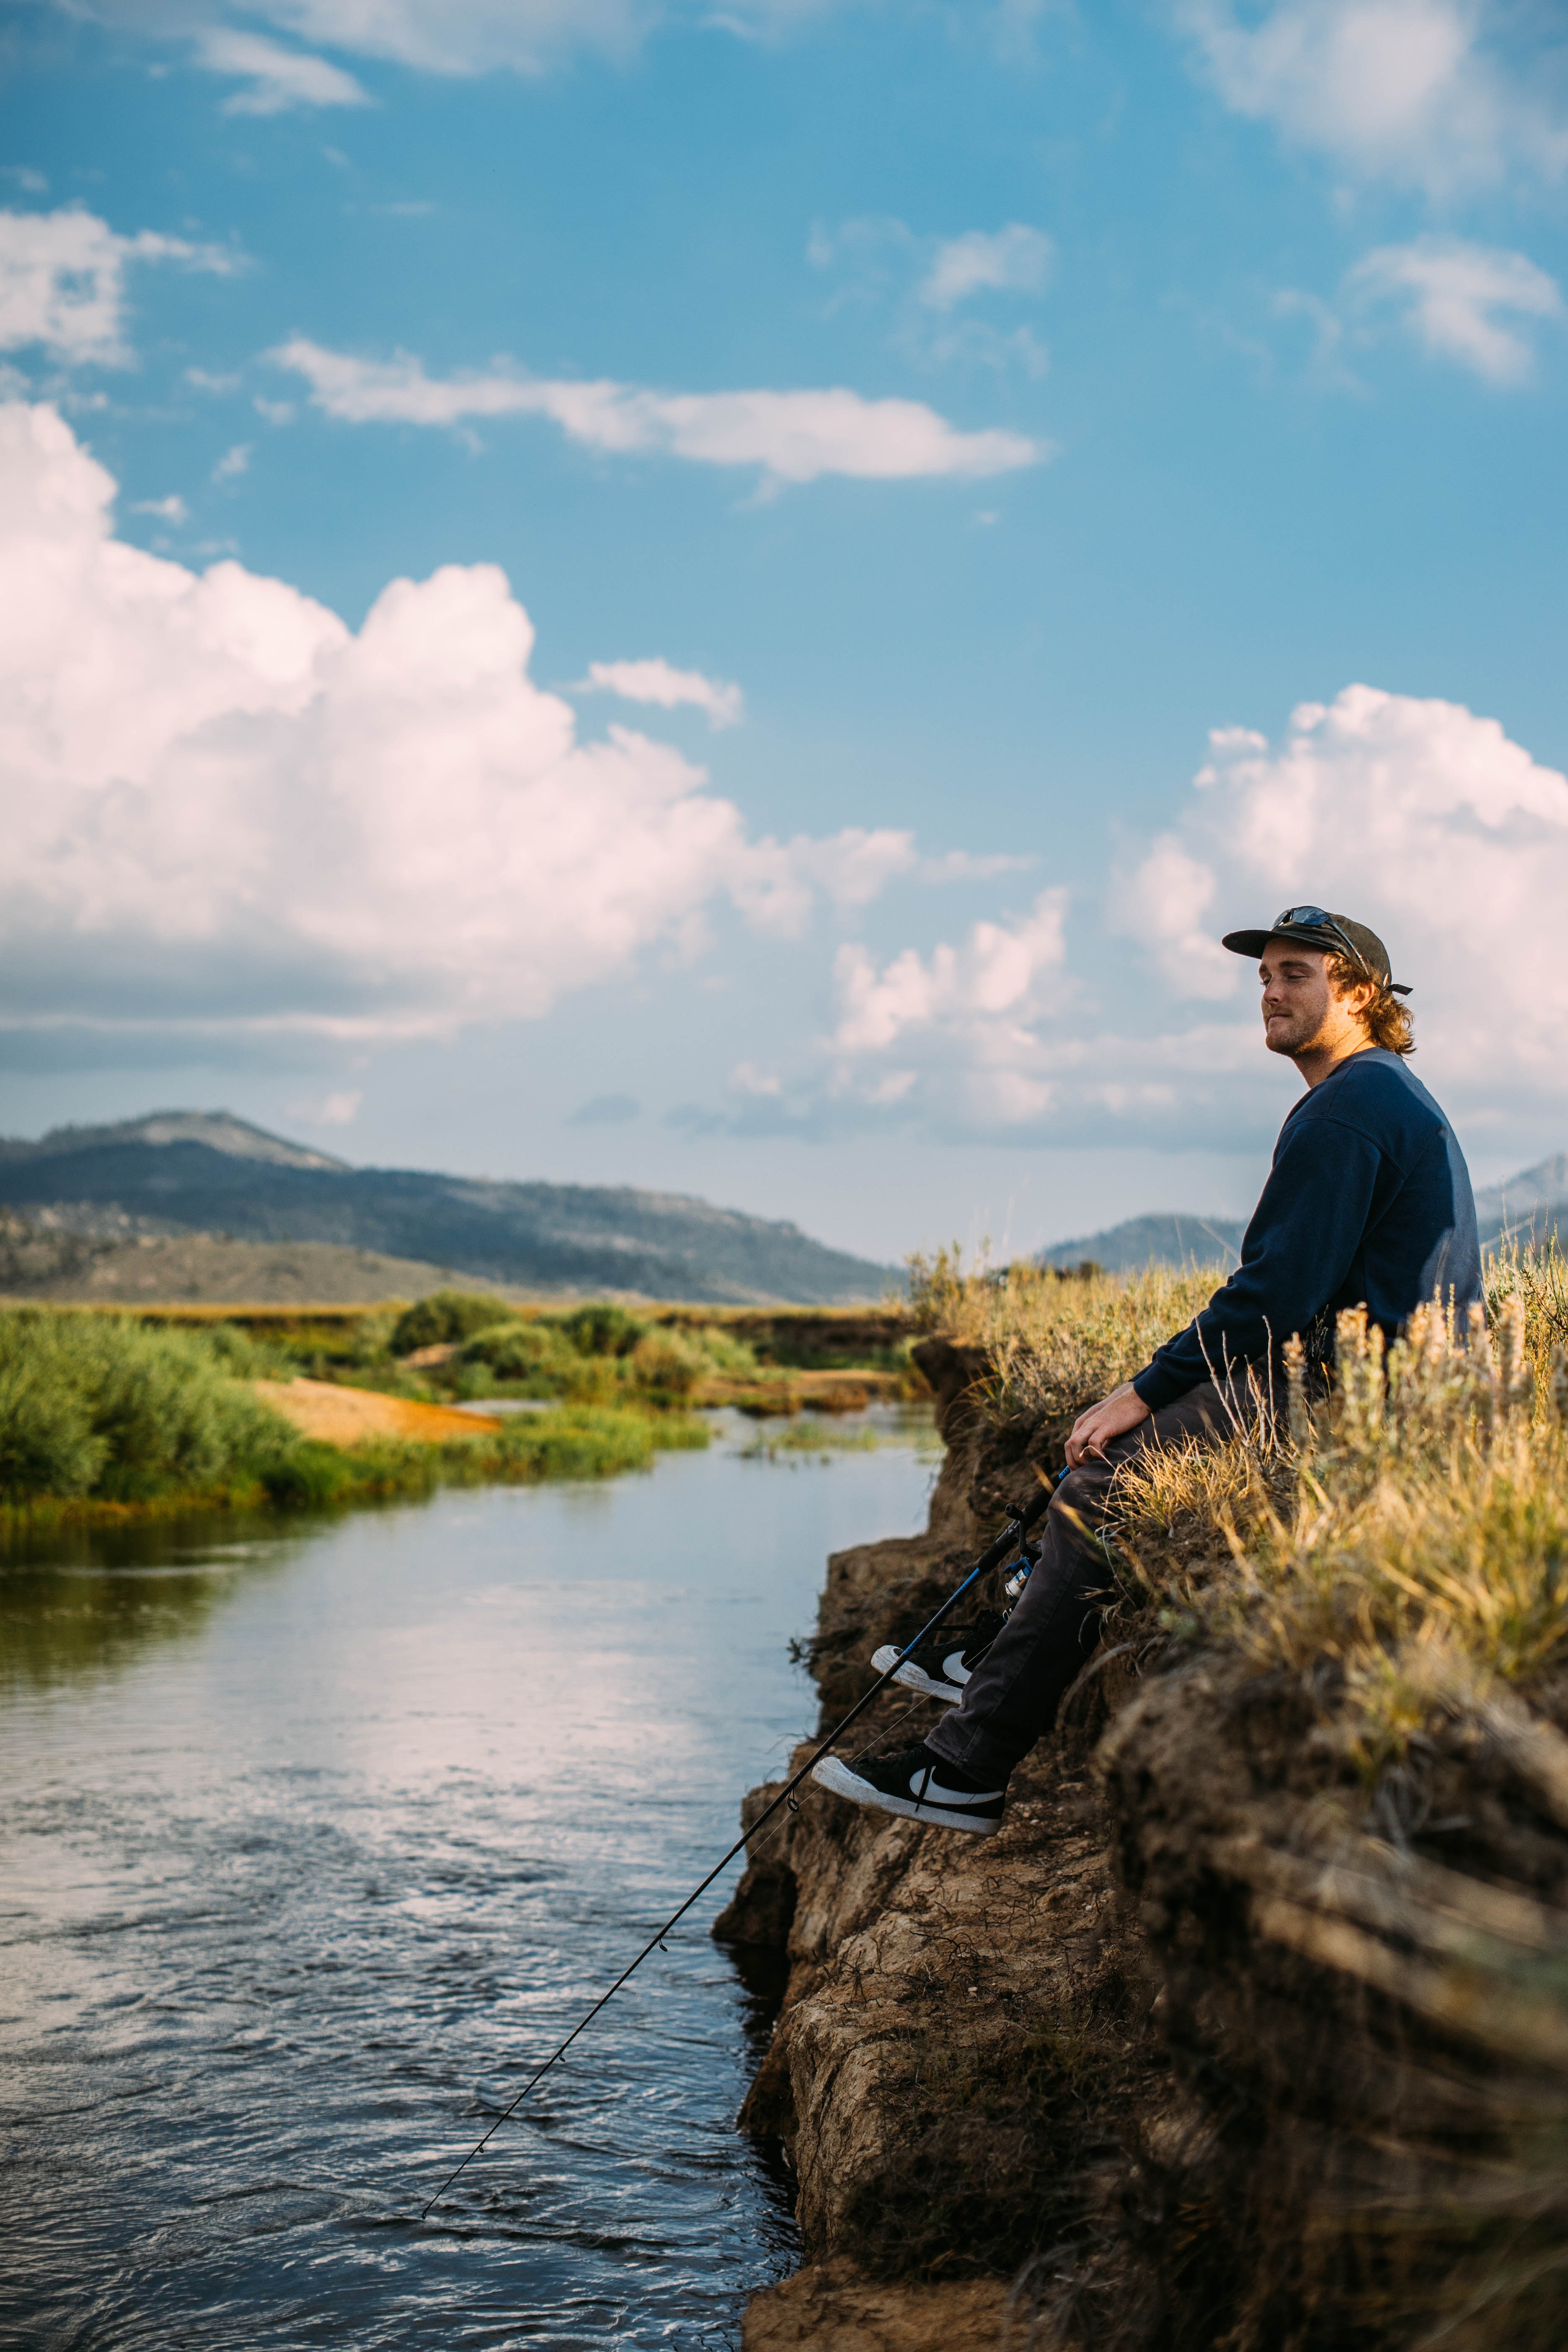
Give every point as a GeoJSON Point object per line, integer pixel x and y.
{"type": "Point", "coordinates": [1368, 1202]}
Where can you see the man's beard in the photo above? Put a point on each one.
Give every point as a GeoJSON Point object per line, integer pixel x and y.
{"type": "Point", "coordinates": [1288, 1035]}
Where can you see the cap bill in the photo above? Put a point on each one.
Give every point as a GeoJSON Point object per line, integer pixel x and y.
{"type": "Point", "coordinates": [1252, 943]}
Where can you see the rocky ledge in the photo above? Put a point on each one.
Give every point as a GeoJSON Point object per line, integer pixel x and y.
{"type": "Point", "coordinates": [1201, 2049]}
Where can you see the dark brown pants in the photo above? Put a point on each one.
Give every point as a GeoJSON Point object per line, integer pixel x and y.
{"type": "Point", "coordinates": [1012, 1697]}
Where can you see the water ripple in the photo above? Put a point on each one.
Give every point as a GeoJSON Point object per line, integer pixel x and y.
{"type": "Point", "coordinates": [315, 1845]}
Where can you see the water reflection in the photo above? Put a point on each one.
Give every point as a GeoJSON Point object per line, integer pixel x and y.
{"type": "Point", "coordinates": [313, 1844]}
{"type": "Point", "coordinates": [86, 1600]}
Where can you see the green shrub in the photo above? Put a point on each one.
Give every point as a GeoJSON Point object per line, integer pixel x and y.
{"type": "Point", "coordinates": [244, 1357]}
{"type": "Point", "coordinates": [95, 1405]}
{"type": "Point", "coordinates": [445, 1317]}
{"type": "Point", "coordinates": [601, 1331]}
{"type": "Point", "coordinates": [312, 1475]}
{"type": "Point", "coordinates": [736, 1359]}
{"type": "Point", "coordinates": [534, 1355]}
{"type": "Point", "coordinates": [48, 1445]}
{"type": "Point", "coordinates": [669, 1363]}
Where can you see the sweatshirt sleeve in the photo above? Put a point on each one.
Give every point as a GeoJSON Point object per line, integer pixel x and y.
{"type": "Point", "coordinates": [1299, 1249]}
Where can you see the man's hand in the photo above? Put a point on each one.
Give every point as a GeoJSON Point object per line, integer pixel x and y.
{"type": "Point", "coordinates": [1113, 1416]}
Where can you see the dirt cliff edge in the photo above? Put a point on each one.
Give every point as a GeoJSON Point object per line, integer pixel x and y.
{"type": "Point", "coordinates": [1205, 2049]}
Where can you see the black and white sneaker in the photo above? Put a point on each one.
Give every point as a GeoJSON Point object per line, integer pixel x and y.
{"type": "Point", "coordinates": [941, 1668]}
{"type": "Point", "coordinates": [918, 1787]}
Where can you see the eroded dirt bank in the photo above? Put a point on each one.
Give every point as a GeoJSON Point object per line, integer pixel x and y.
{"type": "Point", "coordinates": [1206, 2048]}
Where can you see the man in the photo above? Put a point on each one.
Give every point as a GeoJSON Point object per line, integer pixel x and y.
{"type": "Point", "coordinates": [1368, 1202]}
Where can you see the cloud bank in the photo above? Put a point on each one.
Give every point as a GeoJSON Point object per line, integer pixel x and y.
{"type": "Point", "coordinates": [792, 436]}
{"type": "Point", "coordinates": [1418, 816]}
{"type": "Point", "coordinates": [229, 816]}
{"type": "Point", "coordinates": [224, 810]}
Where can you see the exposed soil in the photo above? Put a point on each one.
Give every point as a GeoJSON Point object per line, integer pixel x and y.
{"type": "Point", "coordinates": [351, 1416]}
{"type": "Point", "coordinates": [1210, 2049]}
{"type": "Point", "coordinates": [829, 2308]}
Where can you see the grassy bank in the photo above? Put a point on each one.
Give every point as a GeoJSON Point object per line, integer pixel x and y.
{"type": "Point", "coordinates": [101, 1417]}
{"type": "Point", "coordinates": [1399, 1550]}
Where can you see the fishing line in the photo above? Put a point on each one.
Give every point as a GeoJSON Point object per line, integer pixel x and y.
{"type": "Point", "coordinates": [1017, 1527]}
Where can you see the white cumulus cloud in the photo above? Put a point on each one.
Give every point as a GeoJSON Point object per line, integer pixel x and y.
{"type": "Point", "coordinates": [62, 282]}
{"type": "Point", "coordinates": [1424, 92]}
{"type": "Point", "coordinates": [1464, 302]}
{"type": "Point", "coordinates": [959, 1027]}
{"type": "Point", "coordinates": [275, 78]}
{"type": "Point", "coordinates": [1014, 259]}
{"type": "Point", "coordinates": [793, 436]}
{"type": "Point", "coordinates": [223, 808]}
{"type": "Point", "coordinates": [658, 682]}
{"type": "Point", "coordinates": [1417, 816]}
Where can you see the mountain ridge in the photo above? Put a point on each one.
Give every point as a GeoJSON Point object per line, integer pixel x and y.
{"type": "Point", "coordinates": [221, 1131]}
{"type": "Point", "coordinates": [208, 1171]}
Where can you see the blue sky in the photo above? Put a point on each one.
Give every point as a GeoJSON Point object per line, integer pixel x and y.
{"type": "Point", "coordinates": [913, 432]}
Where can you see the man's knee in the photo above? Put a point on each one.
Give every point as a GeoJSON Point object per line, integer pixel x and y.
{"type": "Point", "coordinates": [1077, 1506]}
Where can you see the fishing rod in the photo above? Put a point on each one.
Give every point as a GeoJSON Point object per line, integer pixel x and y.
{"type": "Point", "coordinates": [1017, 1527]}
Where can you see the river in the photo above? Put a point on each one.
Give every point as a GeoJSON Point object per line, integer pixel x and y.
{"type": "Point", "coordinates": [317, 1836]}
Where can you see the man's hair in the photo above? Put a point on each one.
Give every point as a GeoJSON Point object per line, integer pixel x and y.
{"type": "Point", "coordinates": [1386, 1016]}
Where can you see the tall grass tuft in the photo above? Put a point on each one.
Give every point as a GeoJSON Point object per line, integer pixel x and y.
{"type": "Point", "coordinates": [1411, 1530]}
{"type": "Point", "coordinates": [1056, 1339]}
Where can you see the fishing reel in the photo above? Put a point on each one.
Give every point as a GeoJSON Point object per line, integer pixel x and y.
{"type": "Point", "coordinates": [1018, 1576]}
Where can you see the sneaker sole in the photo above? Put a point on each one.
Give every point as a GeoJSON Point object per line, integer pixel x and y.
{"type": "Point", "coordinates": [913, 1679]}
{"type": "Point", "coordinates": [837, 1776]}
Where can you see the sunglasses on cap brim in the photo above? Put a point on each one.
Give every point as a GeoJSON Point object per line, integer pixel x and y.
{"type": "Point", "coordinates": [1317, 919]}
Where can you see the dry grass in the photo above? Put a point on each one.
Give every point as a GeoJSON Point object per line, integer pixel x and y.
{"type": "Point", "coordinates": [1056, 1339]}
{"type": "Point", "coordinates": [1408, 1535]}
{"type": "Point", "coordinates": [1411, 1532]}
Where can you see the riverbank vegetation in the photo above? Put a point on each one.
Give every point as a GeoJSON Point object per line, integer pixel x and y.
{"type": "Point", "coordinates": [461, 1345]}
{"type": "Point", "coordinates": [100, 1415]}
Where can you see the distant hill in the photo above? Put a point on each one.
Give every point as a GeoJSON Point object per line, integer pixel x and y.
{"type": "Point", "coordinates": [1156, 1240]}
{"type": "Point", "coordinates": [218, 1129]}
{"type": "Point", "coordinates": [208, 1171]}
{"type": "Point", "coordinates": [1530, 1206]}
{"type": "Point", "coordinates": [39, 1260]}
